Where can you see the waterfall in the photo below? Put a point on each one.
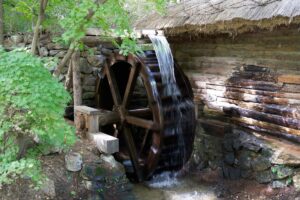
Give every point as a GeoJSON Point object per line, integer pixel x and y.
{"type": "Point", "coordinates": [166, 64]}
{"type": "Point", "coordinates": [170, 88]}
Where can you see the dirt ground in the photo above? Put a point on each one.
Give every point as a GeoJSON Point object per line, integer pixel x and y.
{"type": "Point", "coordinates": [69, 186]}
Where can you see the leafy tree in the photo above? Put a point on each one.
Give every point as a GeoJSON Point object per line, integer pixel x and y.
{"type": "Point", "coordinates": [31, 115]}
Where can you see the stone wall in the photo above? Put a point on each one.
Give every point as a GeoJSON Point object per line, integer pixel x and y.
{"type": "Point", "coordinates": [91, 60]}
{"type": "Point", "coordinates": [241, 154]}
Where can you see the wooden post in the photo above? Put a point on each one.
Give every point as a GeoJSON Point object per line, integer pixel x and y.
{"type": "Point", "coordinates": [77, 90]}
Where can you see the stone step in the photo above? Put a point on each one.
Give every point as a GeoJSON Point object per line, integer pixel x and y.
{"type": "Point", "coordinates": [105, 143]}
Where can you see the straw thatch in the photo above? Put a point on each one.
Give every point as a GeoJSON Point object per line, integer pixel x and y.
{"type": "Point", "coordinates": [223, 16]}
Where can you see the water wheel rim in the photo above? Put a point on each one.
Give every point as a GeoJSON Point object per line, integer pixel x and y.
{"type": "Point", "coordinates": [151, 160]}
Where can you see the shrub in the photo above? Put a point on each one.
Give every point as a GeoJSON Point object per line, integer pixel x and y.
{"type": "Point", "coordinates": [32, 104]}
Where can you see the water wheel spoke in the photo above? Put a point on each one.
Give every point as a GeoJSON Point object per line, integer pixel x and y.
{"type": "Point", "coordinates": [143, 123]}
{"type": "Point", "coordinates": [113, 85]}
{"type": "Point", "coordinates": [144, 142]}
{"type": "Point", "coordinates": [130, 84]}
{"type": "Point", "coordinates": [132, 152]}
{"type": "Point", "coordinates": [141, 112]}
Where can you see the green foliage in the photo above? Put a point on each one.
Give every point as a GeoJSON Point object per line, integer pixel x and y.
{"type": "Point", "coordinates": [31, 109]}
{"type": "Point", "coordinates": [113, 17]}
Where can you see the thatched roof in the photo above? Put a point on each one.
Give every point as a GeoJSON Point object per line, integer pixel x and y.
{"type": "Point", "coordinates": [223, 16]}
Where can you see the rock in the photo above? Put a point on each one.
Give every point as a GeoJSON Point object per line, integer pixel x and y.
{"type": "Point", "coordinates": [279, 184]}
{"type": "Point", "coordinates": [214, 164]}
{"type": "Point", "coordinates": [228, 145]}
{"type": "Point", "coordinates": [96, 60]}
{"type": "Point", "coordinates": [96, 71]}
{"type": "Point", "coordinates": [281, 172]}
{"type": "Point", "coordinates": [73, 161]}
{"type": "Point", "coordinates": [246, 174]}
{"type": "Point", "coordinates": [54, 46]}
{"type": "Point", "coordinates": [48, 188]}
{"type": "Point", "coordinates": [89, 81]}
{"type": "Point", "coordinates": [236, 144]}
{"type": "Point", "coordinates": [16, 39]}
{"type": "Point", "coordinates": [52, 150]}
{"type": "Point", "coordinates": [283, 157]}
{"type": "Point", "coordinates": [112, 162]}
{"type": "Point", "coordinates": [263, 176]}
{"type": "Point", "coordinates": [93, 172]}
{"type": "Point", "coordinates": [95, 196]}
{"type": "Point", "coordinates": [230, 172]}
{"type": "Point", "coordinates": [61, 54]}
{"type": "Point", "coordinates": [260, 164]}
{"type": "Point", "coordinates": [53, 52]}
{"type": "Point", "coordinates": [252, 147]}
{"type": "Point", "coordinates": [93, 185]}
{"type": "Point", "coordinates": [229, 158]}
{"type": "Point", "coordinates": [106, 170]}
{"type": "Point", "coordinates": [296, 181]}
{"type": "Point", "coordinates": [27, 38]}
{"type": "Point", "coordinates": [86, 88]}
{"type": "Point", "coordinates": [88, 95]}
{"type": "Point", "coordinates": [245, 159]}
{"type": "Point", "coordinates": [21, 45]}
{"type": "Point", "coordinates": [106, 51]}
{"type": "Point", "coordinates": [85, 67]}
{"type": "Point", "coordinates": [43, 52]}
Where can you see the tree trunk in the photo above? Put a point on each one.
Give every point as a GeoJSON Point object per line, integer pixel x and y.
{"type": "Point", "coordinates": [64, 61]}
{"type": "Point", "coordinates": [1, 23]}
{"type": "Point", "coordinates": [43, 5]}
{"type": "Point", "coordinates": [77, 90]}
{"type": "Point", "coordinates": [69, 77]}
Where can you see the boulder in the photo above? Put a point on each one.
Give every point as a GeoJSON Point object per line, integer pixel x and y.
{"type": "Point", "coordinates": [229, 158]}
{"type": "Point", "coordinates": [245, 159]}
{"type": "Point", "coordinates": [281, 172]}
{"type": "Point", "coordinates": [89, 81]}
{"type": "Point", "coordinates": [296, 181]}
{"type": "Point", "coordinates": [88, 88]}
{"type": "Point", "coordinates": [85, 67]}
{"type": "Point", "coordinates": [73, 161]}
{"type": "Point", "coordinates": [16, 39]}
{"type": "Point", "coordinates": [279, 184]}
{"type": "Point", "coordinates": [88, 95]}
{"type": "Point", "coordinates": [96, 60]}
{"type": "Point", "coordinates": [43, 52]}
{"type": "Point", "coordinates": [283, 157]}
{"type": "Point", "coordinates": [260, 163]}
{"type": "Point", "coordinates": [48, 187]}
{"type": "Point", "coordinates": [263, 176]}
{"type": "Point", "coordinates": [53, 52]}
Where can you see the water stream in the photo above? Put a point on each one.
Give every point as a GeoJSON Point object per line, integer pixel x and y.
{"type": "Point", "coordinates": [168, 187]}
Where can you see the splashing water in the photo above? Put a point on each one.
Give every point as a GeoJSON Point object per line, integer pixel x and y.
{"type": "Point", "coordinates": [164, 180]}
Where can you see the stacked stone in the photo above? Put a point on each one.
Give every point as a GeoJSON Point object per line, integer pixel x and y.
{"type": "Point", "coordinates": [91, 61]}
{"type": "Point", "coordinates": [241, 154]}
{"type": "Point", "coordinates": [106, 179]}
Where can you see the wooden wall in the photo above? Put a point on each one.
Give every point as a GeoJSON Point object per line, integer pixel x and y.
{"type": "Point", "coordinates": [252, 80]}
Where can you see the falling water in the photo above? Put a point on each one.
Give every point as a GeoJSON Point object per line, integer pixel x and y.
{"type": "Point", "coordinates": [166, 64]}
{"type": "Point", "coordinates": [170, 88]}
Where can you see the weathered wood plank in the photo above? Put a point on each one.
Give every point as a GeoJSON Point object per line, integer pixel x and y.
{"type": "Point", "coordinates": [294, 79]}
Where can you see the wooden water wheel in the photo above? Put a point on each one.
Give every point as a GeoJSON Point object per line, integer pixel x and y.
{"type": "Point", "coordinates": [132, 87]}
